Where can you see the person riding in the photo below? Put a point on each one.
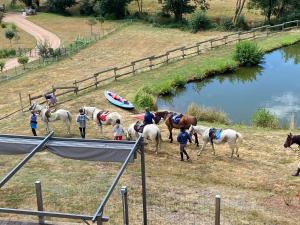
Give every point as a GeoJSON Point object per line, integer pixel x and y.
{"type": "Point", "coordinates": [51, 99]}
{"type": "Point", "coordinates": [148, 117]}
{"type": "Point", "coordinates": [183, 138]}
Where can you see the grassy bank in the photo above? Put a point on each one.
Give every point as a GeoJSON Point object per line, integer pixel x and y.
{"type": "Point", "coordinates": [218, 61]}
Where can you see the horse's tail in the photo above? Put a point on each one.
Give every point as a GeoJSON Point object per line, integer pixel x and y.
{"type": "Point", "coordinates": [158, 139]}
{"type": "Point", "coordinates": [239, 138]}
{"type": "Point", "coordinates": [69, 116]}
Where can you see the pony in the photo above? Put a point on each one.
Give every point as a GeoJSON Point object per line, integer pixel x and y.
{"type": "Point", "coordinates": [48, 116]}
{"type": "Point", "coordinates": [185, 121]}
{"type": "Point", "coordinates": [229, 136]}
{"type": "Point", "coordinates": [150, 132]}
{"type": "Point", "coordinates": [96, 113]}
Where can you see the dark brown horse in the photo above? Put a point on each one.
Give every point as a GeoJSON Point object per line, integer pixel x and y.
{"type": "Point", "coordinates": [185, 121]}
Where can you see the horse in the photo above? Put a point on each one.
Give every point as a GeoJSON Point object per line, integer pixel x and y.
{"type": "Point", "coordinates": [227, 136]}
{"type": "Point", "coordinates": [95, 114]}
{"type": "Point", "coordinates": [150, 132]}
{"type": "Point", "coordinates": [185, 121]}
{"type": "Point", "coordinates": [48, 116]}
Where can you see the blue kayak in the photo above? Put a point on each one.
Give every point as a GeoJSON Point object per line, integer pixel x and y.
{"type": "Point", "coordinates": [117, 100]}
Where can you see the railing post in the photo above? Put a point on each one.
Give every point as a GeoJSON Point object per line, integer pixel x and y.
{"type": "Point", "coordinates": [218, 210]}
{"type": "Point", "coordinates": [198, 49]}
{"type": "Point", "coordinates": [96, 81]}
{"type": "Point", "coordinates": [239, 37]}
{"type": "Point", "coordinates": [76, 87]}
{"type": "Point", "coordinates": [225, 40]}
{"type": "Point", "coordinates": [150, 62]}
{"type": "Point", "coordinates": [282, 28]}
{"type": "Point", "coordinates": [123, 192]}
{"type": "Point", "coordinates": [133, 69]}
{"type": "Point", "coordinates": [182, 50]}
{"type": "Point", "coordinates": [167, 56]}
{"type": "Point", "coordinates": [39, 200]}
{"type": "Point", "coordinates": [211, 46]}
{"type": "Point", "coordinates": [29, 97]}
{"type": "Point", "coordinates": [115, 73]}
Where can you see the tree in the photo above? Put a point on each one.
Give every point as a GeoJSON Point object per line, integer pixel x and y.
{"type": "Point", "coordinates": [91, 22]}
{"type": "Point", "coordinates": [178, 8]}
{"type": "Point", "coordinates": [2, 65]}
{"type": "Point", "coordinates": [10, 34]}
{"type": "Point", "coordinates": [23, 60]}
{"type": "Point", "coordinates": [268, 7]}
{"type": "Point", "coordinates": [139, 5]}
{"type": "Point", "coordinates": [60, 6]}
{"type": "Point", "coordinates": [238, 10]}
{"type": "Point", "coordinates": [202, 4]}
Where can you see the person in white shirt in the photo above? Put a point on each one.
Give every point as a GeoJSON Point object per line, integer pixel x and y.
{"type": "Point", "coordinates": [118, 130]}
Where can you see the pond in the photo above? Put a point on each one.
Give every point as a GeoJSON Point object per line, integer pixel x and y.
{"type": "Point", "coordinates": [274, 85]}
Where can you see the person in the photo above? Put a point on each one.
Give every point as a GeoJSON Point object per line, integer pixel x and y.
{"type": "Point", "coordinates": [182, 138]}
{"type": "Point", "coordinates": [148, 117]}
{"type": "Point", "coordinates": [51, 99]}
{"type": "Point", "coordinates": [118, 130]}
{"type": "Point", "coordinates": [81, 121]}
{"type": "Point", "coordinates": [33, 122]}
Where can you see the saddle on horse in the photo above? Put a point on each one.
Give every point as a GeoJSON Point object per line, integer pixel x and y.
{"type": "Point", "coordinates": [176, 118]}
{"type": "Point", "coordinates": [101, 116]}
{"type": "Point", "coordinates": [214, 133]}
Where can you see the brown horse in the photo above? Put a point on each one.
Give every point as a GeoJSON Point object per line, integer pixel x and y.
{"type": "Point", "coordinates": [185, 121]}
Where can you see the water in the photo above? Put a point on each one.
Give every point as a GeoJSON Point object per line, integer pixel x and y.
{"type": "Point", "coordinates": [274, 85]}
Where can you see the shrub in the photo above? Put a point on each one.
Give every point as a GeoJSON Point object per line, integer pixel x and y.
{"type": "Point", "coordinates": [226, 23]}
{"type": "Point", "coordinates": [10, 34]}
{"type": "Point", "coordinates": [241, 23]}
{"type": "Point", "coordinates": [199, 21]}
{"type": "Point", "coordinates": [164, 88]}
{"type": "Point", "coordinates": [59, 6]}
{"type": "Point", "coordinates": [3, 25]}
{"type": "Point", "coordinates": [178, 82]}
{"type": "Point", "coordinates": [5, 53]}
{"type": "Point", "coordinates": [207, 114]}
{"type": "Point", "coordinates": [23, 60]}
{"type": "Point", "coordinates": [248, 53]}
{"type": "Point", "coordinates": [264, 118]}
{"type": "Point", "coordinates": [143, 98]}
{"type": "Point", "coordinates": [2, 65]}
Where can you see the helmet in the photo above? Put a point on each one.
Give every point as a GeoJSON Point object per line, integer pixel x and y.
{"type": "Point", "coordinates": [147, 109]}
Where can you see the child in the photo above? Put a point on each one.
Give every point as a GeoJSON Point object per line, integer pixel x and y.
{"type": "Point", "coordinates": [118, 130]}
{"type": "Point", "coordinates": [81, 120]}
{"type": "Point", "coordinates": [33, 122]}
{"type": "Point", "coordinates": [182, 138]}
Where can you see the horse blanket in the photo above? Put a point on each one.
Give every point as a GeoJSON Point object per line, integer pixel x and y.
{"type": "Point", "coordinates": [215, 133]}
{"type": "Point", "coordinates": [176, 118]}
{"type": "Point", "coordinates": [101, 116]}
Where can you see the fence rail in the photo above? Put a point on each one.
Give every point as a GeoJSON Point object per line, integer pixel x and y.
{"type": "Point", "coordinates": [148, 63]}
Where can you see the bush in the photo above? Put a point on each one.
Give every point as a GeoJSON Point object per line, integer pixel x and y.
{"type": "Point", "coordinates": [59, 6]}
{"type": "Point", "coordinates": [2, 65]}
{"type": "Point", "coordinates": [264, 118]}
{"type": "Point", "coordinates": [23, 60]}
{"type": "Point", "coordinates": [5, 53]}
{"type": "Point", "coordinates": [226, 24]}
{"type": "Point", "coordinates": [178, 82]}
{"type": "Point", "coordinates": [199, 21]}
{"type": "Point", "coordinates": [164, 88]}
{"type": "Point", "coordinates": [143, 98]}
{"type": "Point", "coordinates": [3, 25]}
{"type": "Point", "coordinates": [241, 23]}
{"type": "Point", "coordinates": [248, 53]}
{"type": "Point", "coordinates": [207, 114]}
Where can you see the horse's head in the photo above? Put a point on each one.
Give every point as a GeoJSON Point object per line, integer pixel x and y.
{"type": "Point", "coordinates": [288, 141]}
{"type": "Point", "coordinates": [161, 115]}
{"type": "Point", "coordinates": [35, 107]}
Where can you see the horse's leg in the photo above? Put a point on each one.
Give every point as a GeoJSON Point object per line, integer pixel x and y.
{"type": "Point", "coordinates": [171, 135]}
{"type": "Point", "coordinates": [213, 147]}
{"type": "Point", "coordinates": [47, 127]}
{"type": "Point", "coordinates": [203, 146]}
{"type": "Point", "coordinates": [196, 139]}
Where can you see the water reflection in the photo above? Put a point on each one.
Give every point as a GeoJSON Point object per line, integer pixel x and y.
{"type": "Point", "coordinates": [274, 85]}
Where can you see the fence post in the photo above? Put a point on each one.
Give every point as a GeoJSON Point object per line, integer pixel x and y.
{"type": "Point", "coordinates": [39, 200]}
{"type": "Point", "coordinates": [239, 37]}
{"type": "Point", "coordinates": [133, 70]}
{"type": "Point", "coordinates": [297, 23]}
{"type": "Point", "coordinates": [167, 56]}
{"type": "Point", "coordinates": [115, 72]}
{"type": "Point", "coordinates": [150, 62]}
{"type": "Point", "coordinates": [253, 34]}
{"type": "Point", "coordinates": [218, 210]}
{"type": "Point", "coordinates": [76, 87]}
{"type": "Point", "coordinates": [182, 50]}
{"type": "Point", "coordinates": [198, 48]}
{"type": "Point", "coordinates": [211, 46]}
{"type": "Point", "coordinates": [123, 192]}
{"type": "Point", "coordinates": [225, 40]}
{"type": "Point", "coordinates": [29, 97]}
{"type": "Point", "coordinates": [96, 81]}
{"type": "Point", "coordinates": [282, 28]}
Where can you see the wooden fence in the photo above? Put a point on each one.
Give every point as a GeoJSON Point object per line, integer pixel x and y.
{"type": "Point", "coordinates": [148, 63]}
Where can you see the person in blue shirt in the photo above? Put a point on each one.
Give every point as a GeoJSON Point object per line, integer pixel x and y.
{"type": "Point", "coordinates": [148, 117]}
{"type": "Point", "coordinates": [183, 138]}
{"type": "Point", "coordinates": [33, 123]}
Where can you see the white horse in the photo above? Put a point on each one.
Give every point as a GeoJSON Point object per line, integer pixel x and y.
{"type": "Point", "coordinates": [150, 132]}
{"type": "Point", "coordinates": [47, 116]}
{"type": "Point", "coordinates": [95, 113]}
{"type": "Point", "coordinates": [229, 136]}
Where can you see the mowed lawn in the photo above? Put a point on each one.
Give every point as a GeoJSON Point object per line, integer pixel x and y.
{"type": "Point", "coordinates": [68, 28]}
{"type": "Point", "coordinates": [25, 41]}
{"type": "Point", "coordinates": [130, 43]}
{"type": "Point", "coordinates": [218, 9]}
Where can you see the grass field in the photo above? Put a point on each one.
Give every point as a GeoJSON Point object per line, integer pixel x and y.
{"type": "Point", "coordinates": [25, 41]}
{"type": "Point", "coordinates": [130, 43]}
{"type": "Point", "coordinates": [68, 28]}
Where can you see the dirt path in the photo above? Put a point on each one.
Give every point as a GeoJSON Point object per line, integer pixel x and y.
{"type": "Point", "coordinates": [39, 33]}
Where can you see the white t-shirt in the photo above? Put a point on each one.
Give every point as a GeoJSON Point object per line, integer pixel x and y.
{"type": "Point", "coordinates": [118, 130]}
